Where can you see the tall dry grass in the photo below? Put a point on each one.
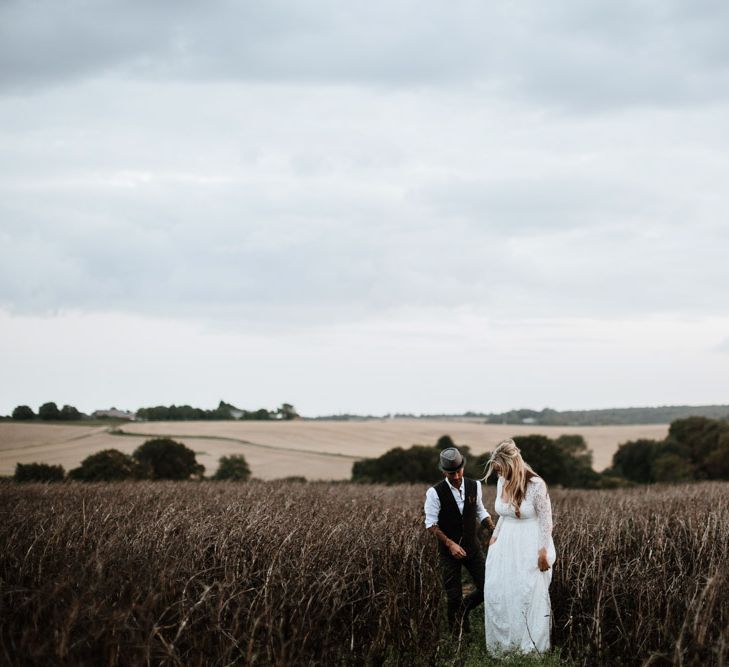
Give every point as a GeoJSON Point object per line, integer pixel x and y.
{"type": "Point", "coordinates": [213, 574]}
{"type": "Point", "coordinates": [296, 574]}
{"type": "Point", "coordinates": [643, 575]}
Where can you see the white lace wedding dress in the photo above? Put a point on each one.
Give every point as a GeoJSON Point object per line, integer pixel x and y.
{"type": "Point", "coordinates": [516, 592]}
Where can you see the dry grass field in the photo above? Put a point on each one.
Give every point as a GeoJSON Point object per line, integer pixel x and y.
{"type": "Point", "coordinates": [318, 450]}
{"type": "Point", "coordinates": [287, 574]}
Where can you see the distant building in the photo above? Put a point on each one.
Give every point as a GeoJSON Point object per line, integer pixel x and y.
{"type": "Point", "coordinates": [113, 413]}
{"type": "Point", "coordinates": [529, 420]}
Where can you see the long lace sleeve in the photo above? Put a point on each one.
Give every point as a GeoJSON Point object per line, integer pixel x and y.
{"type": "Point", "coordinates": [543, 508]}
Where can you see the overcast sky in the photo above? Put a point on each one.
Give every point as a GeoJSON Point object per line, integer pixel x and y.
{"type": "Point", "coordinates": [364, 207]}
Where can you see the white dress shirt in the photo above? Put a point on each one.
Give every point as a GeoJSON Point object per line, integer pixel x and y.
{"type": "Point", "coordinates": [432, 503]}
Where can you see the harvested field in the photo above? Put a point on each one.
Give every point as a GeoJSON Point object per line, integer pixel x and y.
{"type": "Point", "coordinates": [306, 574]}
{"type": "Point", "coordinates": [315, 449]}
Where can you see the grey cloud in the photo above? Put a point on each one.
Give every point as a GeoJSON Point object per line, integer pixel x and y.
{"type": "Point", "coordinates": [290, 205]}
{"type": "Point", "coordinates": [524, 206]}
{"type": "Point", "coordinates": [572, 56]}
{"type": "Point", "coordinates": [282, 268]}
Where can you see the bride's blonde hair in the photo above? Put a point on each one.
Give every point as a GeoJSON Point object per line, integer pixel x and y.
{"type": "Point", "coordinates": [513, 468]}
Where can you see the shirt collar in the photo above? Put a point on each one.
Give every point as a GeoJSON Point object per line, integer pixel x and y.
{"type": "Point", "coordinates": [453, 488]}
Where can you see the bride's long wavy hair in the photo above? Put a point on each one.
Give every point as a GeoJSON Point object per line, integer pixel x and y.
{"type": "Point", "coordinates": [514, 469]}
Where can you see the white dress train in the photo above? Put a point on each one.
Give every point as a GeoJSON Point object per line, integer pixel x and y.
{"type": "Point", "coordinates": [516, 592]}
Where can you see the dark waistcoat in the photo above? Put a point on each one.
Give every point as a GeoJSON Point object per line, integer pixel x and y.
{"type": "Point", "coordinates": [459, 528]}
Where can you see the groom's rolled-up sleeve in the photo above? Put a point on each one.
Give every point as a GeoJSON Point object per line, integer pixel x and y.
{"type": "Point", "coordinates": [432, 507]}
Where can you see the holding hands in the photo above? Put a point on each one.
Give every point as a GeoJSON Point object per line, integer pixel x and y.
{"type": "Point", "coordinates": [542, 562]}
{"type": "Point", "coordinates": [456, 550]}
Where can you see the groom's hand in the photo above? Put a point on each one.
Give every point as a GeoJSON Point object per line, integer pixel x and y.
{"type": "Point", "coordinates": [456, 550]}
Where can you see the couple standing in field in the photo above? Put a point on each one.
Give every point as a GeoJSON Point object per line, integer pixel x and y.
{"type": "Point", "coordinates": [513, 581]}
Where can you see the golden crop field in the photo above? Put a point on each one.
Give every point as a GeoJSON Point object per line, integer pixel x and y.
{"type": "Point", "coordinates": [317, 450]}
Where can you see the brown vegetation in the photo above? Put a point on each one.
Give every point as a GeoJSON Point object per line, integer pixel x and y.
{"type": "Point", "coordinates": [294, 574]}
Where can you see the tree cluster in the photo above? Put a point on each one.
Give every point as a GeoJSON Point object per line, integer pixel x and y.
{"type": "Point", "coordinates": [418, 463]}
{"type": "Point", "coordinates": [233, 468]}
{"type": "Point", "coordinates": [224, 411]}
{"type": "Point", "coordinates": [159, 458]}
{"type": "Point", "coordinates": [38, 472]}
{"type": "Point", "coordinates": [182, 413]}
{"type": "Point", "coordinates": [565, 461]}
{"type": "Point", "coordinates": [48, 412]}
{"type": "Point", "coordinates": [696, 448]}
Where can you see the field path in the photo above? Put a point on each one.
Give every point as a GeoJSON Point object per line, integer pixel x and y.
{"type": "Point", "coordinates": [280, 448]}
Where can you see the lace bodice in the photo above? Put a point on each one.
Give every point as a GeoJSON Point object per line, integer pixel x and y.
{"type": "Point", "coordinates": [536, 505]}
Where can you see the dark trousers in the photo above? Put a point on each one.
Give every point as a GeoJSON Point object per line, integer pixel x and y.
{"type": "Point", "coordinates": [458, 608]}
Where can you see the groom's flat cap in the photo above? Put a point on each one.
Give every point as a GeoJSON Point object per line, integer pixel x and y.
{"type": "Point", "coordinates": [451, 460]}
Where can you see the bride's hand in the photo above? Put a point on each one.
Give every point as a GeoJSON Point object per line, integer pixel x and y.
{"type": "Point", "coordinates": [492, 541]}
{"type": "Point", "coordinates": [542, 561]}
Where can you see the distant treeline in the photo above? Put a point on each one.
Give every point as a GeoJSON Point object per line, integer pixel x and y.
{"type": "Point", "coordinates": [608, 417]}
{"type": "Point", "coordinates": [223, 411]}
{"type": "Point", "coordinates": [51, 412]}
{"type": "Point", "coordinates": [696, 448]}
{"type": "Point", "coordinates": [548, 417]}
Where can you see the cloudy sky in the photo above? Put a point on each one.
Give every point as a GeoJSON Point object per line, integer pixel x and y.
{"type": "Point", "coordinates": [364, 207]}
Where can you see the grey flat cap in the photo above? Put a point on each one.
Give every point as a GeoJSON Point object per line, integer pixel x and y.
{"type": "Point", "coordinates": [451, 460]}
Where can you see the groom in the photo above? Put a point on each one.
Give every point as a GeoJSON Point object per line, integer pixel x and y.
{"type": "Point", "coordinates": [453, 513]}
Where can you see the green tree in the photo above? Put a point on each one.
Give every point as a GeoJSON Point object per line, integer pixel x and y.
{"type": "Point", "coordinates": [259, 415]}
{"type": "Point", "coordinates": [69, 413]}
{"type": "Point", "coordinates": [106, 466]}
{"type": "Point", "coordinates": [700, 437]}
{"type": "Point", "coordinates": [223, 411]}
{"type": "Point", "coordinates": [475, 465]}
{"type": "Point", "coordinates": [38, 472]}
{"type": "Point", "coordinates": [444, 442]}
{"type": "Point", "coordinates": [233, 467]}
{"type": "Point", "coordinates": [670, 467]}
{"type": "Point", "coordinates": [419, 463]}
{"type": "Point", "coordinates": [578, 471]}
{"type": "Point", "coordinates": [163, 458]}
{"type": "Point", "coordinates": [287, 411]}
{"type": "Point", "coordinates": [49, 411]}
{"type": "Point", "coordinates": [172, 413]}
{"type": "Point", "coordinates": [565, 461]}
{"type": "Point", "coordinates": [542, 454]}
{"type": "Point", "coordinates": [23, 412]}
{"type": "Point", "coordinates": [634, 460]}
{"type": "Point", "coordinates": [716, 463]}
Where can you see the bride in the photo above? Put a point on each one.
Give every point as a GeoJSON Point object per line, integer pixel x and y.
{"type": "Point", "coordinates": [520, 555]}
